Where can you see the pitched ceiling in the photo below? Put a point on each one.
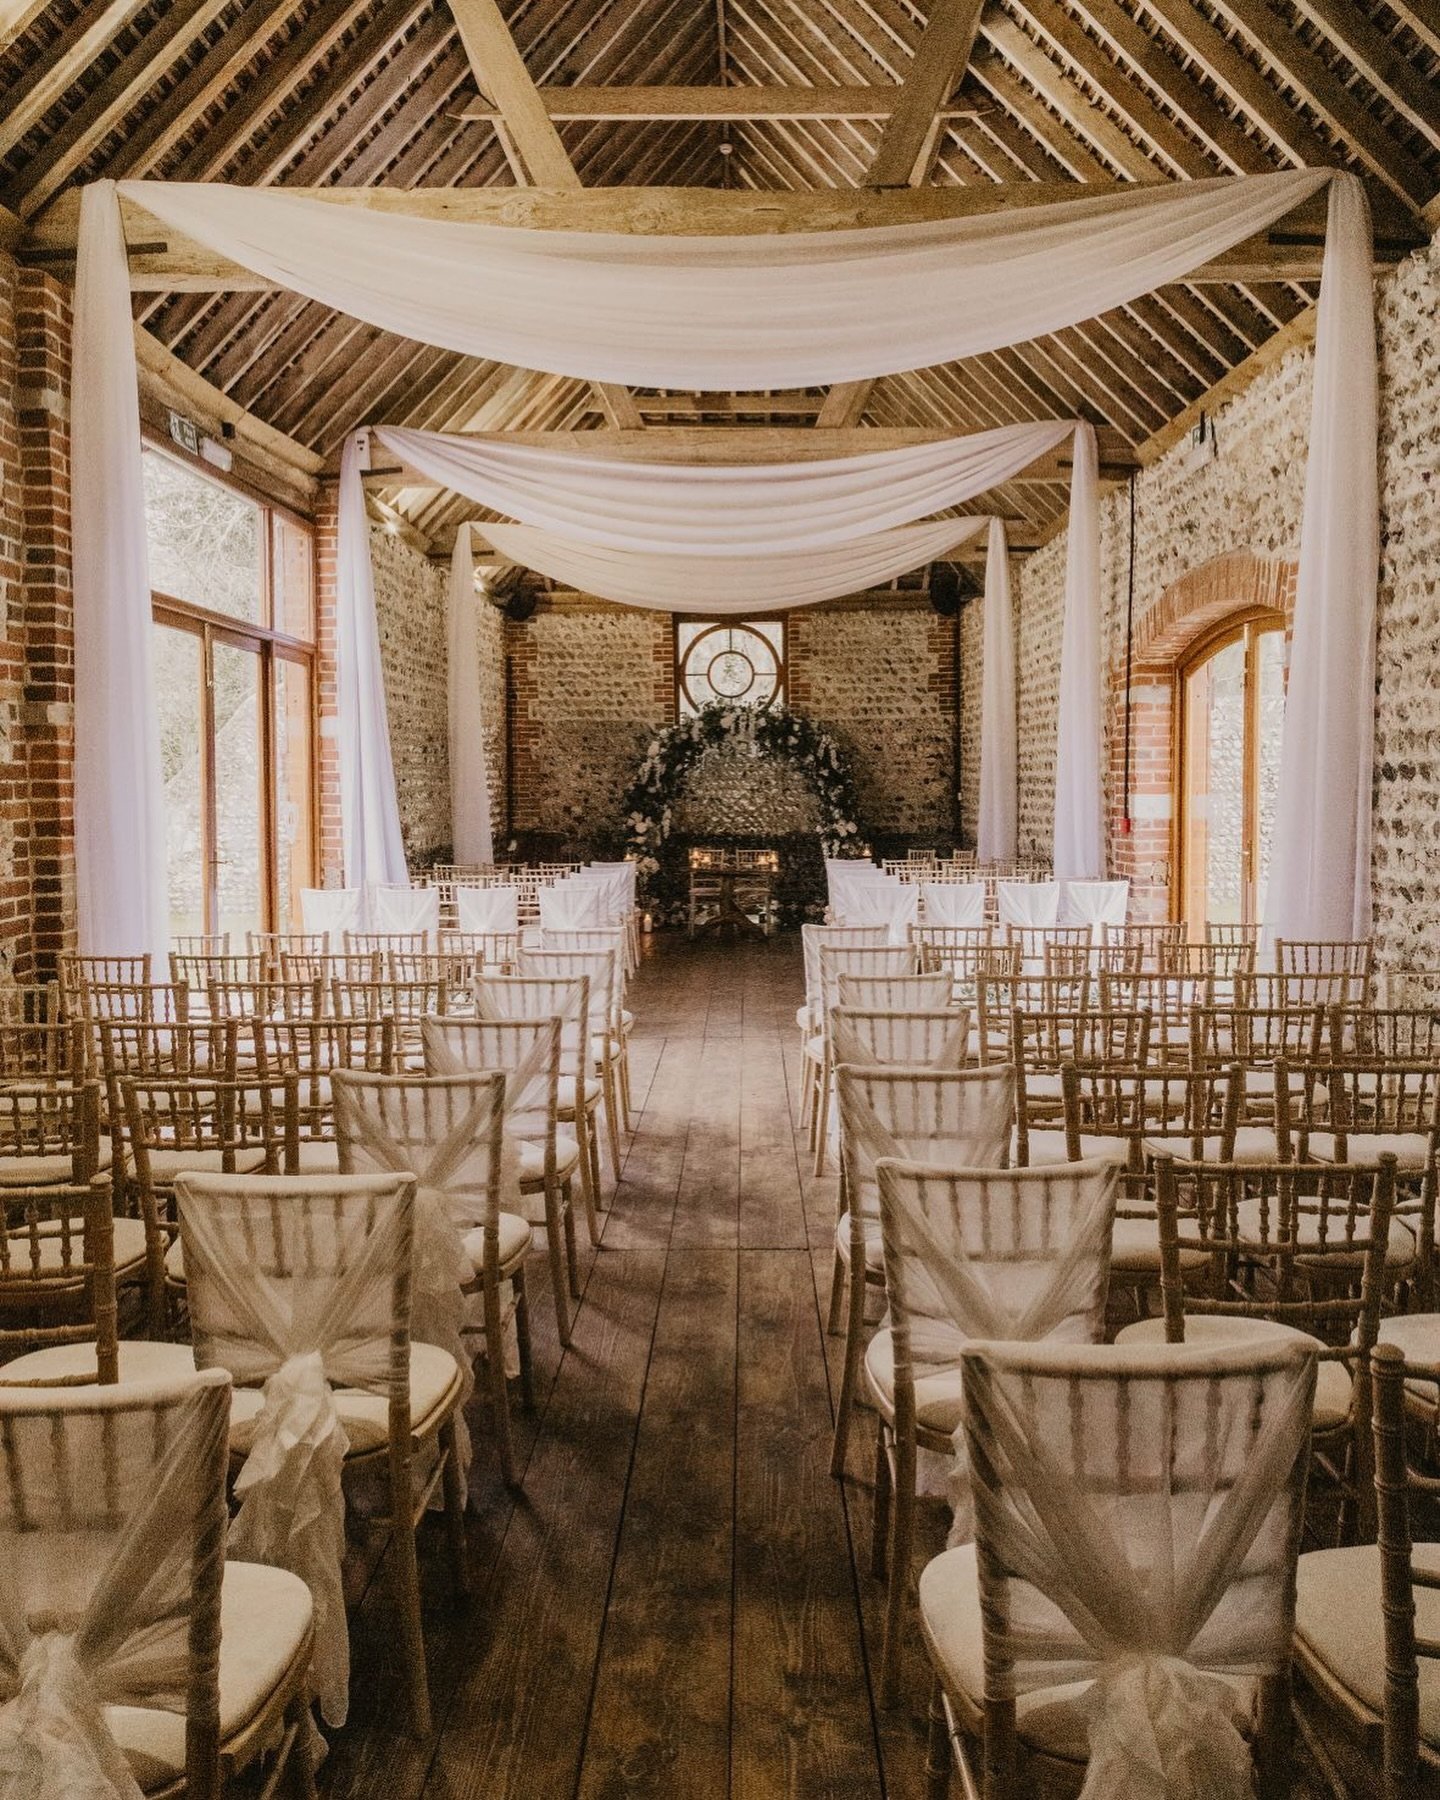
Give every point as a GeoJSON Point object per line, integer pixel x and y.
{"type": "Point", "coordinates": [381, 93]}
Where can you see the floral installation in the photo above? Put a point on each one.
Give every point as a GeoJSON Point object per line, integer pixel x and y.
{"type": "Point", "coordinates": [768, 731]}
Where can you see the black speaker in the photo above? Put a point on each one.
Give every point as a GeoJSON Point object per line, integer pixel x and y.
{"type": "Point", "coordinates": [520, 605]}
{"type": "Point", "coordinates": [944, 589]}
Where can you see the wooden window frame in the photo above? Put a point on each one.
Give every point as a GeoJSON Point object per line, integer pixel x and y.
{"type": "Point", "coordinates": [734, 622]}
{"type": "Point", "coordinates": [269, 645]}
{"type": "Point", "coordinates": [1247, 625]}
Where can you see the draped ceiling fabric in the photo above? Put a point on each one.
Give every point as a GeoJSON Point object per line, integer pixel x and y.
{"type": "Point", "coordinates": [768, 310]}
{"type": "Point", "coordinates": [1080, 732]}
{"type": "Point", "coordinates": [998, 824]}
{"type": "Point", "coordinates": [765, 310]}
{"type": "Point", "coordinates": [470, 831]}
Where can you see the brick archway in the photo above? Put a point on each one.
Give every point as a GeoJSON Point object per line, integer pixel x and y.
{"type": "Point", "coordinates": [1226, 587]}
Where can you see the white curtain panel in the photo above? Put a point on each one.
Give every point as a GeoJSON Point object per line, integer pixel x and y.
{"type": "Point", "coordinates": [487, 908]}
{"type": "Point", "coordinates": [731, 584]}
{"type": "Point", "coordinates": [333, 910]}
{"type": "Point", "coordinates": [1080, 732]}
{"type": "Point", "coordinates": [471, 837]}
{"type": "Point", "coordinates": [760, 311]}
{"type": "Point", "coordinates": [954, 903]}
{"type": "Point", "coordinates": [997, 833]}
{"type": "Point", "coordinates": [374, 849]}
{"type": "Point", "coordinates": [1027, 902]}
{"type": "Point", "coordinates": [122, 904]}
{"type": "Point", "coordinates": [1320, 853]}
{"type": "Point", "coordinates": [721, 510]}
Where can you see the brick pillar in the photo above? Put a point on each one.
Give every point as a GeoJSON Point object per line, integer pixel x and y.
{"type": "Point", "coordinates": [15, 933]}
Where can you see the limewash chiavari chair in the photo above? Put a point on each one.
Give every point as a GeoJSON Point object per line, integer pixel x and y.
{"type": "Point", "coordinates": [406, 1002]}
{"type": "Point", "coordinates": [181, 1125]}
{"type": "Point", "coordinates": [964, 953]}
{"type": "Point", "coordinates": [1256, 1250]}
{"type": "Point", "coordinates": [1218, 932]}
{"type": "Point", "coordinates": [1151, 939]}
{"type": "Point", "coordinates": [301, 1288]}
{"type": "Point", "coordinates": [328, 967]}
{"type": "Point", "coordinates": [196, 970]}
{"type": "Point", "coordinates": [270, 946]}
{"type": "Point", "coordinates": [946, 1116]}
{"type": "Point", "coordinates": [961, 905]}
{"type": "Point", "coordinates": [528, 1052]}
{"type": "Point", "coordinates": [1352, 959]}
{"type": "Point", "coordinates": [1256, 1037]}
{"type": "Point", "coordinates": [566, 998]}
{"type": "Point", "coordinates": [970, 1252]}
{"type": "Point", "coordinates": [57, 1277]}
{"type": "Point", "coordinates": [1020, 901]}
{"type": "Point", "coordinates": [882, 960]}
{"type": "Point", "coordinates": [481, 952]}
{"type": "Point", "coordinates": [1383, 1034]}
{"type": "Point", "coordinates": [488, 910]}
{"type": "Point", "coordinates": [79, 972]}
{"type": "Point", "coordinates": [50, 1051]}
{"type": "Point", "coordinates": [1066, 946]}
{"type": "Point", "coordinates": [50, 1133]}
{"type": "Point", "coordinates": [113, 1525]}
{"type": "Point", "coordinates": [392, 909]}
{"type": "Point", "coordinates": [1367, 1616]}
{"type": "Point", "coordinates": [1042, 1046]}
{"type": "Point", "coordinates": [1211, 974]}
{"type": "Point", "coordinates": [894, 993]}
{"type": "Point", "coordinates": [813, 938]}
{"type": "Point", "coordinates": [999, 997]}
{"type": "Point", "coordinates": [908, 1040]}
{"type": "Point", "coordinates": [307, 1050]}
{"type": "Point", "coordinates": [1157, 1575]}
{"type": "Point", "coordinates": [615, 938]}
{"type": "Point", "coordinates": [604, 971]}
{"type": "Point", "coordinates": [37, 1003]}
{"type": "Point", "coordinates": [385, 944]}
{"type": "Point", "coordinates": [448, 1131]}
{"type": "Point", "coordinates": [1164, 997]}
{"type": "Point", "coordinates": [329, 912]}
{"type": "Point", "coordinates": [268, 999]}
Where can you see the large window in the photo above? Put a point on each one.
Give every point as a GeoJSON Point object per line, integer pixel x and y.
{"type": "Point", "coordinates": [739, 661]}
{"type": "Point", "coordinates": [234, 602]}
{"type": "Point", "coordinates": [1232, 710]}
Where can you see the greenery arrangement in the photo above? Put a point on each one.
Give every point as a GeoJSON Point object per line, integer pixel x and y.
{"type": "Point", "coordinates": [771, 731]}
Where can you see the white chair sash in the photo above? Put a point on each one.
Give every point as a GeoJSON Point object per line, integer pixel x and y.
{"type": "Point", "coordinates": [404, 909]}
{"type": "Point", "coordinates": [1153, 1592]}
{"type": "Point", "coordinates": [928, 1040]}
{"type": "Point", "coordinates": [1024, 1256]}
{"type": "Point", "coordinates": [526, 1090]}
{"type": "Point", "coordinates": [327, 1323]}
{"type": "Point", "coordinates": [99, 1505]}
{"type": "Point", "coordinates": [572, 905]}
{"type": "Point", "coordinates": [487, 909]}
{"type": "Point", "coordinates": [1094, 903]}
{"type": "Point", "coordinates": [955, 903]}
{"type": "Point", "coordinates": [332, 910]}
{"type": "Point", "coordinates": [1027, 902]}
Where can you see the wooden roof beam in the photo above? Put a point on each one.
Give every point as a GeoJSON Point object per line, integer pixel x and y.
{"type": "Point", "coordinates": [745, 103]}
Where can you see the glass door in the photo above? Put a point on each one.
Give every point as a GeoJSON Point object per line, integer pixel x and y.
{"type": "Point", "coordinates": [1232, 708]}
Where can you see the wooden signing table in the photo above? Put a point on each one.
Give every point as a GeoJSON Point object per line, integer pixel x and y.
{"type": "Point", "coordinates": [739, 885]}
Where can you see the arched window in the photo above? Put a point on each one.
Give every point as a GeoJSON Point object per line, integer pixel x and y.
{"type": "Point", "coordinates": [1231, 695]}
{"type": "Point", "coordinates": [742, 662]}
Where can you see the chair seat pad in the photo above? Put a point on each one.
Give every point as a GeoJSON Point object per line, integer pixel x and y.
{"type": "Point", "coordinates": [805, 1018]}
{"type": "Point", "coordinates": [1399, 1245]}
{"type": "Point", "coordinates": [1253, 1144]}
{"type": "Point", "coordinates": [515, 1240]}
{"type": "Point", "coordinates": [1049, 1147]}
{"type": "Point", "coordinates": [319, 1156]}
{"type": "Point", "coordinates": [1041, 1085]}
{"type": "Point", "coordinates": [129, 1240]}
{"type": "Point", "coordinates": [1332, 1379]}
{"type": "Point", "coordinates": [874, 1243]}
{"type": "Point", "coordinates": [593, 1093]}
{"type": "Point", "coordinates": [939, 1399]}
{"type": "Point", "coordinates": [35, 1171]}
{"type": "Point", "coordinates": [434, 1386]}
{"type": "Point", "coordinates": [1338, 1624]}
{"type": "Point", "coordinates": [140, 1360]}
{"type": "Point", "coordinates": [1050, 1721]}
{"type": "Point", "coordinates": [1135, 1248]}
{"type": "Point", "coordinates": [1417, 1337]}
{"type": "Point", "coordinates": [265, 1618]}
{"type": "Point", "coordinates": [165, 1165]}
{"type": "Point", "coordinates": [532, 1158]}
{"type": "Point", "coordinates": [627, 1021]}
{"type": "Point", "coordinates": [1363, 1149]}
{"type": "Point", "coordinates": [815, 1047]}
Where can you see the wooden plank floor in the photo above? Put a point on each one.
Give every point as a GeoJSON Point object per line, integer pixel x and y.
{"type": "Point", "coordinates": [679, 1603]}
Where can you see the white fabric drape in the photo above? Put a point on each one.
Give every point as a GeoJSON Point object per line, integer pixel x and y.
{"type": "Point", "coordinates": [402, 910]}
{"type": "Point", "coordinates": [1079, 731]}
{"type": "Point", "coordinates": [374, 848]}
{"type": "Point", "coordinates": [121, 898]}
{"type": "Point", "coordinates": [954, 903]}
{"type": "Point", "coordinates": [721, 510]}
{"type": "Point", "coordinates": [1028, 903]}
{"type": "Point", "coordinates": [333, 911]}
{"type": "Point", "coordinates": [1094, 903]}
{"type": "Point", "coordinates": [471, 837]}
{"type": "Point", "coordinates": [731, 584]}
{"type": "Point", "coordinates": [487, 909]}
{"type": "Point", "coordinates": [1320, 852]}
{"type": "Point", "coordinates": [1153, 1582]}
{"type": "Point", "coordinates": [998, 823]}
{"type": "Point", "coordinates": [761, 311]}
{"type": "Point", "coordinates": [100, 1499]}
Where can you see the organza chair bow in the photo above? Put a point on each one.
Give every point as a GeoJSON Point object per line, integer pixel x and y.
{"type": "Point", "coordinates": [970, 1254]}
{"type": "Point", "coordinates": [299, 1284]}
{"type": "Point", "coordinates": [1138, 1517]}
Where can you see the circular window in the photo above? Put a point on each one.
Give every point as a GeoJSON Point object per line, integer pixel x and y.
{"type": "Point", "coordinates": [739, 663]}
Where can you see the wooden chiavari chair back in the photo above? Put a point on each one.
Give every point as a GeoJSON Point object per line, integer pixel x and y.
{"type": "Point", "coordinates": [1052, 949]}
{"type": "Point", "coordinates": [78, 972]}
{"type": "Point", "coordinates": [331, 966]}
{"type": "Point", "coordinates": [309, 1050]}
{"type": "Point", "coordinates": [910, 1039]}
{"type": "Point", "coordinates": [37, 1003]}
{"type": "Point", "coordinates": [49, 1133]}
{"type": "Point", "coordinates": [53, 1051]}
{"type": "Point", "coordinates": [270, 946]}
{"type": "Point", "coordinates": [1150, 939]}
{"type": "Point", "coordinates": [199, 972]}
{"type": "Point", "coordinates": [1383, 1034]}
{"type": "Point", "coordinates": [480, 953]}
{"type": "Point", "coordinates": [57, 1276]}
{"type": "Point", "coordinates": [266, 999]}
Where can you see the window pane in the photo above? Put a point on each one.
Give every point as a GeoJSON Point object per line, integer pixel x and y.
{"type": "Point", "coordinates": [177, 696]}
{"type": "Point", "coordinates": [1215, 788]}
{"type": "Point", "coordinates": [204, 540]}
{"type": "Point", "coordinates": [239, 791]}
{"type": "Point", "coordinates": [739, 663]}
{"type": "Point", "coordinates": [294, 851]}
{"type": "Point", "coordinates": [292, 573]}
{"type": "Point", "coordinates": [1271, 675]}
